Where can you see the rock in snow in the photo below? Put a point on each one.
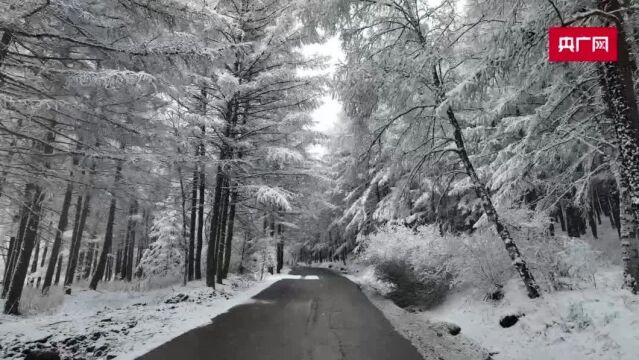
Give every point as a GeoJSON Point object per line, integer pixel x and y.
{"type": "Point", "coordinates": [509, 320]}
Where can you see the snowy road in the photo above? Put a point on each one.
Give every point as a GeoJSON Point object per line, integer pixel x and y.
{"type": "Point", "coordinates": [322, 316]}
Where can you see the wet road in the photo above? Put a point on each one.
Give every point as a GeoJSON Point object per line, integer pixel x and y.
{"type": "Point", "coordinates": [296, 319]}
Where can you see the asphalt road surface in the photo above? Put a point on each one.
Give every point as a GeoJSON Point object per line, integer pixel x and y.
{"type": "Point", "coordinates": [296, 319]}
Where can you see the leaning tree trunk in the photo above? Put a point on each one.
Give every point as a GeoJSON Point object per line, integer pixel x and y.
{"type": "Point", "coordinates": [229, 235]}
{"type": "Point", "coordinates": [24, 220]}
{"type": "Point", "coordinates": [620, 100]}
{"type": "Point", "coordinates": [12, 244]}
{"type": "Point", "coordinates": [108, 235]}
{"type": "Point", "coordinates": [57, 242]}
{"type": "Point", "coordinates": [35, 196]}
{"type": "Point", "coordinates": [491, 213]}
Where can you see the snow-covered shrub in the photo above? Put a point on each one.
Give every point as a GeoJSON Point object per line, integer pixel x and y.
{"type": "Point", "coordinates": [370, 279]}
{"type": "Point", "coordinates": [165, 256]}
{"type": "Point", "coordinates": [480, 261]}
{"type": "Point", "coordinates": [577, 317]}
{"type": "Point", "coordinates": [261, 256]}
{"type": "Point", "coordinates": [415, 262]}
{"type": "Point", "coordinates": [32, 301]}
{"type": "Point", "coordinates": [579, 260]}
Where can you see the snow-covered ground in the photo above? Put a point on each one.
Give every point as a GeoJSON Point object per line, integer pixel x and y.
{"type": "Point", "coordinates": [123, 324]}
{"type": "Point", "coordinates": [593, 324]}
{"type": "Point", "coordinates": [599, 323]}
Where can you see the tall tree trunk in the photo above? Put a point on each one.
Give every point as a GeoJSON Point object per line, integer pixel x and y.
{"type": "Point", "coordinates": [94, 262]}
{"type": "Point", "coordinates": [222, 230]}
{"type": "Point", "coordinates": [118, 263]}
{"type": "Point", "coordinates": [108, 235]}
{"type": "Point", "coordinates": [211, 252]}
{"type": "Point", "coordinates": [280, 248]}
{"type": "Point", "coordinates": [44, 254]}
{"type": "Point", "coordinates": [74, 249]}
{"type": "Point", "coordinates": [12, 244]}
{"type": "Point", "coordinates": [229, 235]}
{"type": "Point", "coordinates": [131, 244]}
{"type": "Point", "coordinates": [200, 220]}
{"type": "Point", "coordinates": [34, 199]}
{"type": "Point", "coordinates": [36, 253]}
{"type": "Point", "coordinates": [616, 79]}
{"type": "Point", "coordinates": [56, 280]}
{"type": "Point", "coordinates": [202, 183]}
{"type": "Point", "coordinates": [491, 213]}
{"type": "Point", "coordinates": [183, 207]}
{"type": "Point", "coordinates": [88, 261]}
{"type": "Point", "coordinates": [25, 216]}
{"type": "Point", "coordinates": [592, 222]}
{"type": "Point", "coordinates": [73, 257]}
{"type": "Point", "coordinates": [14, 294]}
{"type": "Point", "coordinates": [193, 222]}
{"type": "Point", "coordinates": [57, 242]}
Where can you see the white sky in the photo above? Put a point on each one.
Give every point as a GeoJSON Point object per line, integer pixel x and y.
{"type": "Point", "coordinates": [327, 114]}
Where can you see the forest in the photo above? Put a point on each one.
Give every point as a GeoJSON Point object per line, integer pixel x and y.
{"type": "Point", "coordinates": [155, 144]}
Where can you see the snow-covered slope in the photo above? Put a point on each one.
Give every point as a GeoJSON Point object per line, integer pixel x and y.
{"type": "Point", "coordinates": [599, 323]}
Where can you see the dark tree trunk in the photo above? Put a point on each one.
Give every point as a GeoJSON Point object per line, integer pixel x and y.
{"type": "Point", "coordinates": [132, 225]}
{"type": "Point", "coordinates": [77, 242]}
{"type": "Point", "coordinates": [80, 270]}
{"type": "Point", "coordinates": [12, 244]}
{"type": "Point", "coordinates": [617, 82]}
{"type": "Point", "coordinates": [74, 249]}
{"type": "Point", "coordinates": [211, 253]}
{"type": "Point", "coordinates": [57, 242]}
{"type": "Point", "coordinates": [193, 223]}
{"type": "Point", "coordinates": [593, 223]}
{"type": "Point", "coordinates": [200, 223]}
{"type": "Point", "coordinates": [94, 263]}
{"type": "Point", "coordinates": [44, 254]}
{"type": "Point", "coordinates": [280, 249]}
{"type": "Point", "coordinates": [613, 203]}
{"type": "Point", "coordinates": [18, 278]}
{"type": "Point", "coordinates": [280, 255]}
{"type": "Point", "coordinates": [108, 235]}
{"type": "Point", "coordinates": [573, 219]}
{"type": "Point", "coordinates": [109, 269]}
{"type": "Point", "coordinates": [222, 230]}
{"type": "Point", "coordinates": [36, 254]}
{"type": "Point", "coordinates": [118, 263]}
{"type": "Point", "coordinates": [25, 215]}
{"type": "Point", "coordinates": [202, 184]}
{"type": "Point", "coordinates": [88, 261]}
{"type": "Point", "coordinates": [56, 280]}
{"type": "Point", "coordinates": [229, 235]}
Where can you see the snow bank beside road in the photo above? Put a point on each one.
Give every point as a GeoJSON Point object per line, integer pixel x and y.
{"type": "Point", "coordinates": [592, 324]}
{"type": "Point", "coordinates": [433, 340]}
{"type": "Point", "coordinates": [105, 325]}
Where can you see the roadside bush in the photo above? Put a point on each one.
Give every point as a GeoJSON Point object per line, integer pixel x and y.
{"type": "Point", "coordinates": [415, 263]}
{"type": "Point", "coordinates": [423, 266]}
{"type": "Point", "coordinates": [410, 290]}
